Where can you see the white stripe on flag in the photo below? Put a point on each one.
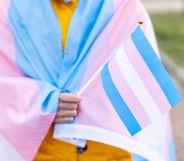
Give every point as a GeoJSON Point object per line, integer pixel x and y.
{"type": "Point", "coordinates": [106, 137]}
{"type": "Point", "coordinates": [136, 84]}
{"type": "Point", "coordinates": [7, 152]}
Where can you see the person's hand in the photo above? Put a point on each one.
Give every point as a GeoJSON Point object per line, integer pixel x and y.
{"type": "Point", "coordinates": [67, 109]}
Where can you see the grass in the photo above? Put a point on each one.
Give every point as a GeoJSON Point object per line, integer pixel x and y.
{"type": "Point", "coordinates": [169, 28]}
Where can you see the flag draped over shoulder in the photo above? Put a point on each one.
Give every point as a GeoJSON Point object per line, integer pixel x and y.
{"type": "Point", "coordinates": [109, 58]}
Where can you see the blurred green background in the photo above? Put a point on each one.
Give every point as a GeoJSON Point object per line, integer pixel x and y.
{"type": "Point", "coordinates": [169, 29]}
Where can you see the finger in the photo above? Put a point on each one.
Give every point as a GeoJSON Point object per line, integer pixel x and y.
{"type": "Point", "coordinates": [64, 97]}
{"type": "Point", "coordinates": [61, 120]}
{"type": "Point", "coordinates": [67, 113]}
{"type": "Point", "coordinates": [67, 106]}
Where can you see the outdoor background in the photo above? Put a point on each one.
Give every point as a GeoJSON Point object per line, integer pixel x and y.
{"type": "Point", "coordinates": [168, 21]}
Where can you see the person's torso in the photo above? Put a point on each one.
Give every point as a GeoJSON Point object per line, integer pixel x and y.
{"type": "Point", "coordinates": [54, 150]}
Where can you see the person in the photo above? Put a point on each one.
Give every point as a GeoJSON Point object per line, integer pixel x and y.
{"type": "Point", "coordinates": [50, 51]}
{"type": "Point", "coordinates": [54, 150]}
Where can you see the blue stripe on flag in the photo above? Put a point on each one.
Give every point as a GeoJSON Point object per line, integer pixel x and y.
{"type": "Point", "coordinates": [155, 66]}
{"type": "Point", "coordinates": [117, 101]}
{"type": "Point", "coordinates": [172, 152]}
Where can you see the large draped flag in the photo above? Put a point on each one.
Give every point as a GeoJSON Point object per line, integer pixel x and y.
{"type": "Point", "coordinates": [109, 59]}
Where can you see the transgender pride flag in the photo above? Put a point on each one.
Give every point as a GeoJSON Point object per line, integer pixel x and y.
{"type": "Point", "coordinates": [129, 92]}
{"type": "Point", "coordinates": [137, 84]}
{"type": "Point", "coordinates": [126, 91]}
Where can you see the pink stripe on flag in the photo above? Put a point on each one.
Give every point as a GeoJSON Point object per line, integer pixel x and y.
{"type": "Point", "coordinates": [123, 24]}
{"type": "Point", "coordinates": [96, 110]}
{"type": "Point", "coordinates": [117, 3]}
{"type": "Point", "coordinates": [22, 115]}
{"type": "Point", "coordinates": [128, 95]}
{"type": "Point", "coordinates": [4, 8]}
{"type": "Point", "coordinates": [7, 53]}
{"type": "Point", "coordinates": [117, 29]}
{"type": "Point", "coordinates": [146, 76]}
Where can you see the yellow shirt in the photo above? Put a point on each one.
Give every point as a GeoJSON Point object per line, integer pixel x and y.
{"type": "Point", "coordinates": [64, 12]}
{"type": "Point", "coordinates": [54, 150]}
